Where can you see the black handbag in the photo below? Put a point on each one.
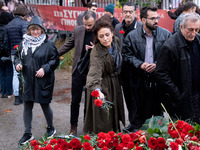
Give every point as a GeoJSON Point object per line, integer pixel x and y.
{"type": "Point", "coordinates": [83, 64]}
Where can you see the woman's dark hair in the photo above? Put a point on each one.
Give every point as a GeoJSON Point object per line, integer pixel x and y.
{"type": "Point", "coordinates": [144, 10]}
{"type": "Point", "coordinates": [99, 24]}
{"type": "Point", "coordinates": [188, 5]}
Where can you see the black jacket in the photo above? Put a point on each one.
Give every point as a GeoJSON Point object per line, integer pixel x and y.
{"type": "Point", "coordinates": [174, 75]}
{"type": "Point", "coordinates": [36, 89]}
{"type": "Point", "coordinates": [134, 45]}
{"type": "Point", "coordinates": [14, 33]}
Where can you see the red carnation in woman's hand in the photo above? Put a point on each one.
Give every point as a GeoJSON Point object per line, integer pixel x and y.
{"type": "Point", "coordinates": [16, 46]}
{"type": "Point", "coordinates": [95, 93]}
{"type": "Point", "coordinates": [121, 32]}
{"type": "Point", "coordinates": [98, 102]}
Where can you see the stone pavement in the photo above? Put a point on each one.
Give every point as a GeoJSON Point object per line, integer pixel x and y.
{"type": "Point", "coordinates": [11, 117]}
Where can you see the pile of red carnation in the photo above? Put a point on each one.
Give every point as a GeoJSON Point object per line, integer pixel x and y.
{"type": "Point", "coordinates": [181, 134]}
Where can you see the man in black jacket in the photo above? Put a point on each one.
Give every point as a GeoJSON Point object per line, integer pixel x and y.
{"type": "Point", "coordinates": [13, 35]}
{"type": "Point", "coordinates": [178, 70]}
{"type": "Point", "coordinates": [140, 50]}
{"type": "Point", "coordinates": [128, 24]}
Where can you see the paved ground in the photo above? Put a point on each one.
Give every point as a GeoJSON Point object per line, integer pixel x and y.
{"type": "Point", "coordinates": [11, 117]}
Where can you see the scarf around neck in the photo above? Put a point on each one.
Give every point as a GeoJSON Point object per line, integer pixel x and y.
{"type": "Point", "coordinates": [32, 42]}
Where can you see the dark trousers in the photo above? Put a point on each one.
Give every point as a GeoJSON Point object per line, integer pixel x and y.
{"type": "Point", "coordinates": [147, 101]}
{"type": "Point", "coordinates": [78, 82]}
{"type": "Point", "coordinates": [196, 108]}
{"type": "Point", "coordinates": [6, 76]}
{"type": "Point", "coordinates": [28, 115]}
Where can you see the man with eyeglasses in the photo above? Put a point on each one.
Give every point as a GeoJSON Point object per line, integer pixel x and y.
{"type": "Point", "coordinates": [140, 50]}
{"type": "Point", "coordinates": [178, 70]}
{"type": "Point", "coordinates": [91, 6]}
{"type": "Point", "coordinates": [128, 24]}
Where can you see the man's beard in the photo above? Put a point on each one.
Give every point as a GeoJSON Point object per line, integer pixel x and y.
{"type": "Point", "coordinates": [151, 27]}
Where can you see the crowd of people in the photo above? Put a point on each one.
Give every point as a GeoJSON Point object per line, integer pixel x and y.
{"type": "Point", "coordinates": [138, 63]}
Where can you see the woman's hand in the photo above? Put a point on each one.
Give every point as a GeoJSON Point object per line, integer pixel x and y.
{"type": "Point", "coordinates": [40, 73]}
{"type": "Point", "coordinates": [101, 95]}
{"type": "Point", "coordinates": [19, 67]}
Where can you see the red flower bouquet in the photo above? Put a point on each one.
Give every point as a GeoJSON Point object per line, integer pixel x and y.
{"type": "Point", "coordinates": [102, 103]}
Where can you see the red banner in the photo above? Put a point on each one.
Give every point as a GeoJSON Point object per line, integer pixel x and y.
{"type": "Point", "coordinates": [64, 18]}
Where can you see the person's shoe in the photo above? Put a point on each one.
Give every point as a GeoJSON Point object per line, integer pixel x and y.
{"type": "Point", "coordinates": [129, 128]}
{"type": "Point", "coordinates": [18, 100]}
{"type": "Point", "coordinates": [4, 96]}
{"type": "Point", "coordinates": [26, 138]}
{"type": "Point", "coordinates": [50, 132]}
{"type": "Point", "coordinates": [73, 130]}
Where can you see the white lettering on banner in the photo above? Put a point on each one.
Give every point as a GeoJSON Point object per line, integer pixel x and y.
{"type": "Point", "coordinates": [68, 22]}
{"type": "Point", "coordinates": [162, 16]}
{"type": "Point", "coordinates": [70, 13]}
{"type": "Point", "coordinates": [65, 13]}
{"type": "Point", "coordinates": [58, 14]}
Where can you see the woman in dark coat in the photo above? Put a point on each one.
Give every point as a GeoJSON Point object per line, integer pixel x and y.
{"type": "Point", "coordinates": [103, 76]}
{"type": "Point", "coordinates": [36, 59]}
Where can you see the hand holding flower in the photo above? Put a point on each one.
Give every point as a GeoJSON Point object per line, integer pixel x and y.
{"type": "Point", "coordinates": [101, 95]}
{"type": "Point", "coordinates": [101, 102]}
{"type": "Point", "coordinates": [19, 67]}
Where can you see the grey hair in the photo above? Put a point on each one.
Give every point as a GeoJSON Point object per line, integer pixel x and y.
{"type": "Point", "coordinates": [194, 17]}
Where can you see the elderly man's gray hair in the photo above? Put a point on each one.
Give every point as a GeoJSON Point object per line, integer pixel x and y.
{"type": "Point", "coordinates": [194, 17]}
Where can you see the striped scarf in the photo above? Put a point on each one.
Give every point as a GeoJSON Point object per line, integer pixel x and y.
{"type": "Point", "coordinates": [32, 42]}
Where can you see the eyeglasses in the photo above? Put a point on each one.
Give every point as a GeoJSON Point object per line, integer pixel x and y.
{"type": "Point", "coordinates": [126, 11]}
{"type": "Point", "coordinates": [154, 18]}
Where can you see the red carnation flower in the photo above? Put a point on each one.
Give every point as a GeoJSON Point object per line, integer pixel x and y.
{"type": "Point", "coordinates": [98, 102]}
{"type": "Point", "coordinates": [104, 148]}
{"type": "Point", "coordinates": [152, 143]}
{"type": "Point", "coordinates": [126, 138]}
{"type": "Point", "coordinates": [139, 148]}
{"type": "Point", "coordinates": [194, 138]}
{"type": "Point", "coordinates": [87, 146]}
{"type": "Point", "coordinates": [180, 124]}
{"type": "Point", "coordinates": [60, 141]}
{"type": "Point", "coordinates": [87, 137]}
{"type": "Point", "coordinates": [95, 93]}
{"type": "Point", "coordinates": [161, 142]}
{"type": "Point", "coordinates": [111, 133]}
{"type": "Point", "coordinates": [16, 46]}
{"type": "Point", "coordinates": [36, 147]}
{"type": "Point", "coordinates": [134, 136]}
{"type": "Point", "coordinates": [75, 143]}
{"type": "Point", "coordinates": [34, 143]}
{"type": "Point", "coordinates": [53, 141]}
{"type": "Point", "coordinates": [142, 139]}
{"type": "Point", "coordinates": [174, 134]}
{"type": "Point", "coordinates": [174, 146]}
{"type": "Point", "coordinates": [179, 141]}
{"type": "Point", "coordinates": [121, 32]}
{"type": "Point", "coordinates": [130, 145]}
{"type": "Point", "coordinates": [48, 147]}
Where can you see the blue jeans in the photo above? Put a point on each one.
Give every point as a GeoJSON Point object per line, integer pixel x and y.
{"type": "Point", "coordinates": [6, 75]}
{"type": "Point", "coordinates": [15, 79]}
